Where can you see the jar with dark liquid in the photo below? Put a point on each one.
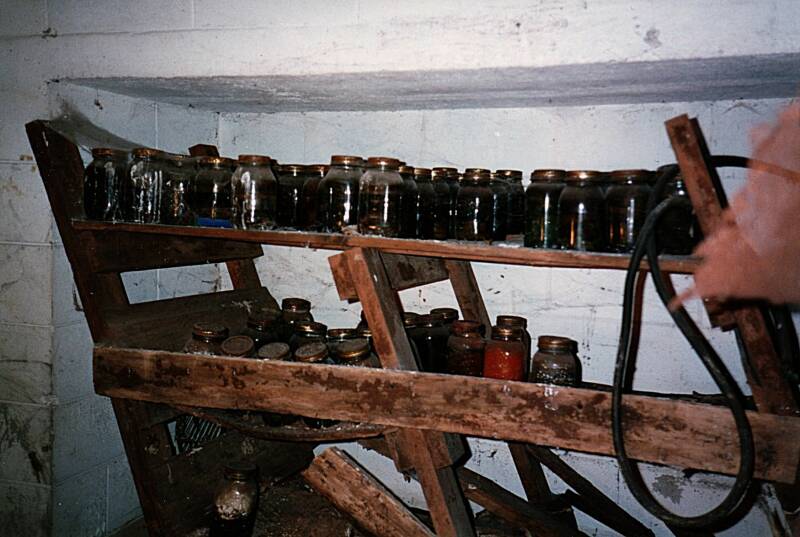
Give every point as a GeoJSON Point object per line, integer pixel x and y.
{"type": "Point", "coordinates": [582, 213]}
{"type": "Point", "coordinates": [424, 211]}
{"type": "Point", "coordinates": [500, 203]}
{"type": "Point", "coordinates": [516, 200]}
{"type": "Point", "coordinates": [465, 348]}
{"type": "Point", "coordinates": [102, 182]}
{"type": "Point", "coordinates": [678, 231]}
{"type": "Point", "coordinates": [556, 362]}
{"type": "Point", "coordinates": [626, 206]}
{"type": "Point", "coordinates": [379, 198]}
{"type": "Point", "coordinates": [206, 338]}
{"type": "Point", "coordinates": [179, 176]}
{"type": "Point", "coordinates": [443, 204]}
{"type": "Point", "coordinates": [263, 327]}
{"type": "Point", "coordinates": [293, 310]}
{"type": "Point", "coordinates": [505, 355]}
{"type": "Point", "coordinates": [236, 501]}
{"type": "Point", "coordinates": [141, 192]}
{"type": "Point", "coordinates": [255, 191]}
{"type": "Point", "coordinates": [430, 339]}
{"type": "Point", "coordinates": [474, 207]}
{"type": "Point", "coordinates": [541, 208]}
{"type": "Point", "coordinates": [449, 315]}
{"type": "Point", "coordinates": [337, 194]}
{"type": "Point", "coordinates": [409, 203]}
{"type": "Point", "coordinates": [452, 178]}
{"type": "Point", "coordinates": [514, 321]}
{"type": "Point", "coordinates": [212, 196]}
{"type": "Point", "coordinates": [314, 176]}
{"type": "Point", "coordinates": [290, 195]}
{"type": "Point", "coordinates": [307, 332]}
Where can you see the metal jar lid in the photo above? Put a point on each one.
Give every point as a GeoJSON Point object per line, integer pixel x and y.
{"type": "Point", "coordinates": [410, 319]}
{"type": "Point", "coordinates": [274, 351]}
{"type": "Point", "coordinates": [311, 352]}
{"type": "Point", "coordinates": [383, 163]}
{"type": "Point", "coordinates": [352, 350]}
{"type": "Point", "coordinates": [557, 343]}
{"type": "Point", "coordinates": [310, 327]}
{"type": "Point", "coordinates": [341, 334]}
{"type": "Point", "coordinates": [511, 320]}
{"type": "Point", "coordinates": [107, 152]}
{"type": "Point", "coordinates": [631, 176]}
{"type": "Point", "coordinates": [263, 319]}
{"type": "Point", "coordinates": [238, 346]}
{"type": "Point", "coordinates": [347, 160]}
{"type": "Point", "coordinates": [261, 160]}
{"type": "Point", "coordinates": [210, 331]}
{"type": "Point", "coordinates": [296, 305]}
{"type": "Point", "coordinates": [240, 470]}
{"type": "Point", "coordinates": [584, 176]}
{"type": "Point", "coordinates": [548, 176]}
{"type": "Point", "coordinates": [507, 332]}
{"type": "Point", "coordinates": [466, 328]}
{"type": "Point", "coordinates": [511, 175]}
{"type": "Point", "coordinates": [450, 314]}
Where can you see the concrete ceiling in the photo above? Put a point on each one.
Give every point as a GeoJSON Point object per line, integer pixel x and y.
{"type": "Point", "coordinates": [753, 77]}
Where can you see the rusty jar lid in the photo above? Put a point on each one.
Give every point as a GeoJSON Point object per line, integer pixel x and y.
{"type": "Point", "coordinates": [210, 331]}
{"type": "Point", "coordinates": [347, 160]}
{"type": "Point", "coordinates": [352, 350]}
{"type": "Point", "coordinates": [557, 343]}
{"type": "Point", "coordinates": [510, 175]}
{"type": "Point", "coordinates": [410, 319]}
{"type": "Point", "coordinates": [296, 305]}
{"type": "Point", "coordinates": [631, 176]}
{"type": "Point", "coordinates": [263, 319]}
{"type": "Point", "coordinates": [311, 352]}
{"type": "Point", "coordinates": [507, 332]}
{"type": "Point", "coordinates": [511, 320]}
{"type": "Point", "coordinates": [274, 351]}
{"type": "Point", "coordinates": [383, 163]}
{"type": "Point", "coordinates": [449, 314]}
{"type": "Point", "coordinates": [256, 160]}
{"type": "Point", "coordinates": [467, 328]}
{"type": "Point", "coordinates": [240, 471]}
{"type": "Point", "coordinates": [310, 328]}
{"type": "Point", "coordinates": [238, 346]}
{"type": "Point", "coordinates": [548, 176]}
{"type": "Point", "coordinates": [107, 152]}
{"type": "Point", "coordinates": [341, 334]}
{"type": "Point", "coordinates": [584, 176]}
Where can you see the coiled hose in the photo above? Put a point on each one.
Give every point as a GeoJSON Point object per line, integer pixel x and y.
{"type": "Point", "coordinates": [625, 366]}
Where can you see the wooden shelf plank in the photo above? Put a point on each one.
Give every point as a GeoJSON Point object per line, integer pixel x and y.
{"type": "Point", "coordinates": [658, 430]}
{"type": "Point", "coordinates": [507, 252]}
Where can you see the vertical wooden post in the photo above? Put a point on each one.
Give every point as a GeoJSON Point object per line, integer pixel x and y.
{"type": "Point", "coordinates": [448, 507]}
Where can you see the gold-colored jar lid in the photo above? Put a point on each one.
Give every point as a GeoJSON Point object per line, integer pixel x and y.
{"type": "Point", "coordinates": [557, 343]}
{"type": "Point", "coordinates": [347, 160]}
{"type": "Point", "coordinates": [548, 176]}
{"type": "Point", "coordinates": [274, 351]}
{"type": "Point", "coordinates": [238, 346]}
{"type": "Point", "coordinates": [108, 152]}
{"type": "Point", "coordinates": [210, 330]}
{"type": "Point", "coordinates": [257, 160]}
{"type": "Point", "coordinates": [311, 352]}
{"type": "Point", "coordinates": [296, 305]}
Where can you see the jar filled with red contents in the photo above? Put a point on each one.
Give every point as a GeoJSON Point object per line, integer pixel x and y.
{"type": "Point", "coordinates": [522, 324]}
{"type": "Point", "coordinates": [505, 355]}
{"type": "Point", "coordinates": [556, 362]}
{"type": "Point", "coordinates": [465, 348]}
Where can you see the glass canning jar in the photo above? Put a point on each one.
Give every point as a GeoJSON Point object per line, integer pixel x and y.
{"type": "Point", "coordinates": [465, 347]}
{"type": "Point", "coordinates": [307, 332]}
{"type": "Point", "coordinates": [678, 231]}
{"type": "Point", "coordinates": [474, 207]}
{"type": "Point", "coordinates": [337, 195]}
{"type": "Point", "coordinates": [501, 195]}
{"type": "Point", "coordinates": [379, 194]}
{"type": "Point", "coordinates": [240, 346]}
{"type": "Point", "coordinates": [582, 213]}
{"type": "Point", "coordinates": [293, 310]}
{"type": "Point", "coordinates": [515, 321]}
{"type": "Point", "coordinates": [290, 195]}
{"type": "Point", "coordinates": [425, 209]}
{"type": "Point", "coordinates": [556, 362]}
{"type": "Point", "coordinates": [179, 176]}
{"type": "Point", "coordinates": [541, 208]}
{"type": "Point", "coordinates": [449, 315]}
{"type": "Point", "coordinates": [263, 327]}
{"type": "Point", "coordinates": [236, 501]}
{"type": "Point", "coordinates": [453, 179]}
{"type": "Point", "coordinates": [409, 203]}
{"type": "Point", "coordinates": [275, 351]}
{"type": "Point", "coordinates": [206, 338]}
{"type": "Point", "coordinates": [516, 200]}
{"type": "Point", "coordinates": [430, 339]}
{"type": "Point", "coordinates": [141, 191]}
{"type": "Point", "coordinates": [354, 352]}
{"type": "Point", "coordinates": [505, 356]}
{"type": "Point", "coordinates": [308, 208]}
{"type": "Point", "coordinates": [102, 182]}
{"type": "Point", "coordinates": [255, 191]}
{"type": "Point", "coordinates": [211, 195]}
{"type": "Point", "coordinates": [626, 207]}
{"type": "Point", "coordinates": [443, 204]}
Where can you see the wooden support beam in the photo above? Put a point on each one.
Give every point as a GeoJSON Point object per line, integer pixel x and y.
{"type": "Point", "coordinates": [381, 306]}
{"type": "Point", "coordinates": [352, 489]}
{"type": "Point", "coordinates": [590, 499]}
{"type": "Point", "coordinates": [404, 272]}
{"type": "Point", "coordinates": [662, 431]}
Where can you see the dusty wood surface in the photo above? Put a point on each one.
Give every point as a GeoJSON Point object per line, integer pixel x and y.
{"type": "Point", "coordinates": [382, 308]}
{"type": "Point", "coordinates": [338, 477]}
{"type": "Point", "coordinates": [404, 272]}
{"type": "Point", "coordinates": [252, 424]}
{"type": "Point", "coordinates": [657, 430]}
{"type": "Point", "coordinates": [511, 254]}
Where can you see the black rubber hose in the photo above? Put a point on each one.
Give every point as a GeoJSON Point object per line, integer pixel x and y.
{"type": "Point", "coordinates": [625, 366]}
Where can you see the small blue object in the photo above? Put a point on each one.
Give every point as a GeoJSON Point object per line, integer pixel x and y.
{"type": "Point", "coordinates": [213, 222]}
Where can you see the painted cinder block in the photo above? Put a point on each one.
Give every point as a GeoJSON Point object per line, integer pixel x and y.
{"type": "Point", "coordinates": [123, 503]}
{"type": "Point", "coordinates": [97, 16]}
{"type": "Point", "coordinates": [26, 443]}
{"type": "Point", "coordinates": [23, 17]}
{"type": "Point", "coordinates": [25, 364]}
{"type": "Point", "coordinates": [180, 127]}
{"type": "Point", "coordinates": [25, 284]}
{"type": "Point", "coordinates": [72, 362]}
{"type": "Point", "coordinates": [79, 504]}
{"type": "Point", "coordinates": [25, 214]}
{"type": "Point", "coordinates": [25, 509]}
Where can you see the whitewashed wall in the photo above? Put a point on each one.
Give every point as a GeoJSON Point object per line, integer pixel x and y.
{"type": "Point", "coordinates": [62, 470]}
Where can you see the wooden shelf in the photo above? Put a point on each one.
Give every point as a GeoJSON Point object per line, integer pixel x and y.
{"type": "Point", "coordinates": [511, 253]}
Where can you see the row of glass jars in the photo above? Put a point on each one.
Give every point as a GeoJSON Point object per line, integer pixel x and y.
{"type": "Point", "coordinates": [575, 210]}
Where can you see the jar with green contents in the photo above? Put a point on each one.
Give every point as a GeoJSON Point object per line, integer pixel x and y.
{"type": "Point", "coordinates": [337, 194]}
{"type": "Point", "coordinates": [541, 208]}
{"type": "Point", "coordinates": [465, 347]}
{"type": "Point", "coordinates": [626, 205]}
{"type": "Point", "coordinates": [501, 196]}
{"type": "Point", "coordinates": [474, 207]}
{"type": "Point", "coordinates": [409, 203]}
{"type": "Point", "coordinates": [308, 207]}
{"type": "Point", "coordinates": [102, 182]}
{"type": "Point", "coordinates": [211, 198]}
{"type": "Point", "coordinates": [556, 362]}
{"type": "Point", "coordinates": [255, 193]}
{"type": "Point", "coordinates": [425, 209]}
{"type": "Point", "coordinates": [443, 204]}
{"type": "Point", "coordinates": [516, 200]}
{"type": "Point", "coordinates": [379, 194]}
{"type": "Point", "coordinates": [290, 195]}
{"type": "Point", "coordinates": [582, 213]}
{"type": "Point", "coordinates": [678, 231]}
{"type": "Point", "coordinates": [142, 188]}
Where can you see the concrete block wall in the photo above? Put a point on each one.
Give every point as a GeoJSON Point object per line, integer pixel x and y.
{"type": "Point", "coordinates": [62, 471]}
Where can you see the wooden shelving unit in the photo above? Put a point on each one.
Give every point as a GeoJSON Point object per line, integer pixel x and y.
{"type": "Point", "coordinates": [419, 419]}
